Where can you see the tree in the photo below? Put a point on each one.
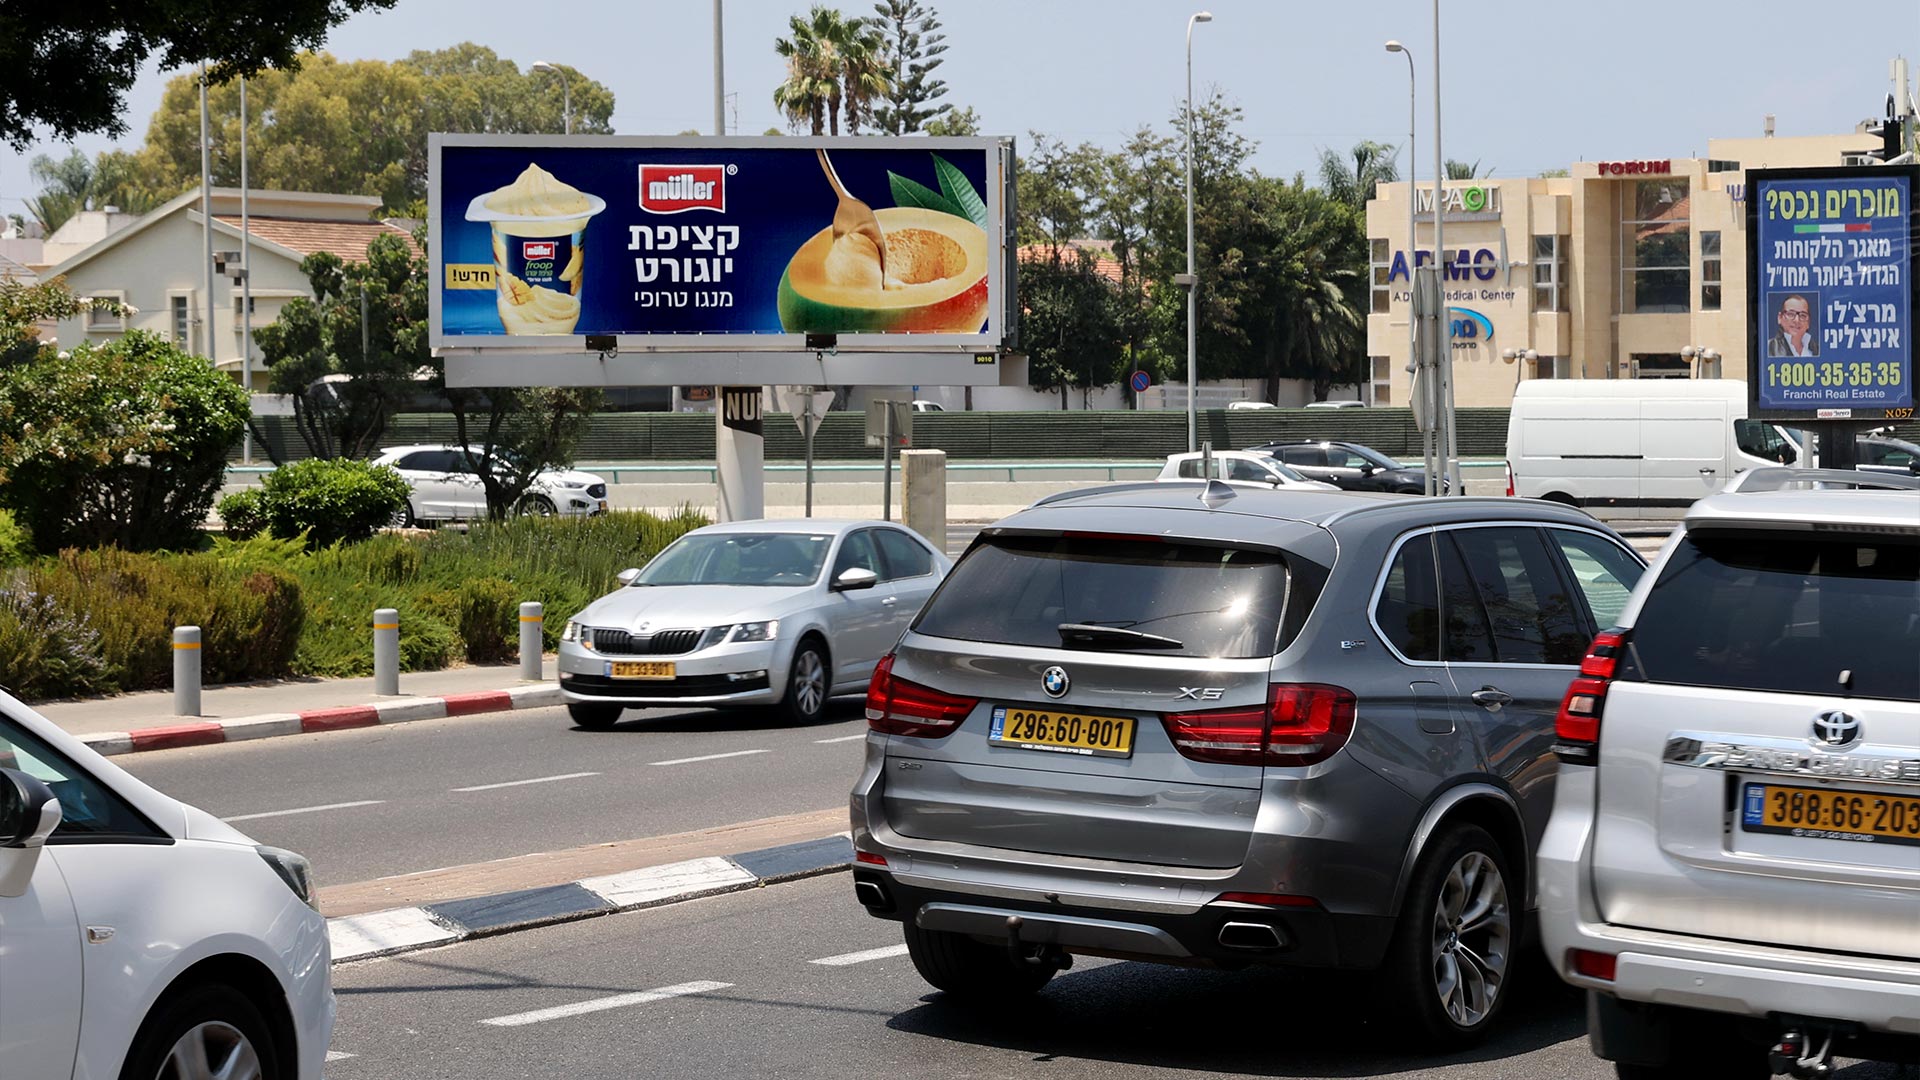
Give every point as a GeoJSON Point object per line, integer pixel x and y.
{"type": "Point", "coordinates": [75, 183]}
{"type": "Point", "coordinates": [959, 122]}
{"type": "Point", "coordinates": [348, 376]}
{"type": "Point", "coordinates": [123, 443]}
{"type": "Point", "coordinates": [359, 128]}
{"type": "Point", "coordinates": [24, 307]}
{"type": "Point", "coordinates": [833, 64]}
{"type": "Point", "coordinates": [913, 48]}
{"type": "Point", "coordinates": [1353, 182]}
{"type": "Point", "coordinates": [1059, 190]}
{"type": "Point", "coordinates": [68, 67]}
{"type": "Point", "coordinates": [1460, 170]}
{"type": "Point", "coordinates": [1069, 323]}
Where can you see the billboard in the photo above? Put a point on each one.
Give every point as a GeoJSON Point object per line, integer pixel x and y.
{"type": "Point", "coordinates": [593, 246]}
{"type": "Point", "coordinates": [1831, 292]}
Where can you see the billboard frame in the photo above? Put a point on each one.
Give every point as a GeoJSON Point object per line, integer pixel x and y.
{"type": "Point", "coordinates": [1757, 332]}
{"type": "Point", "coordinates": [736, 349]}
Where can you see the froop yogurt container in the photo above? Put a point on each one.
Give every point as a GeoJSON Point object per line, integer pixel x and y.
{"type": "Point", "coordinates": [539, 261]}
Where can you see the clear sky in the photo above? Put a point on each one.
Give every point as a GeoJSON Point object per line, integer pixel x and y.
{"type": "Point", "coordinates": [1527, 86]}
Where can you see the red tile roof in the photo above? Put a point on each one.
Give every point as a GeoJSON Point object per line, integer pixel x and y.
{"type": "Point", "coordinates": [1104, 263]}
{"type": "Point", "coordinates": [347, 239]}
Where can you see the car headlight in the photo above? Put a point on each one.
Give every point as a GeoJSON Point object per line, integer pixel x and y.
{"type": "Point", "coordinates": [293, 869]}
{"type": "Point", "coordinates": [573, 484]}
{"type": "Point", "coordinates": [756, 631]}
{"type": "Point", "coordinates": [571, 632]}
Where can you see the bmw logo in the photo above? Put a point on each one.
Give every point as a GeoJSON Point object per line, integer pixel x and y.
{"type": "Point", "coordinates": [1836, 728]}
{"type": "Point", "coordinates": [1055, 682]}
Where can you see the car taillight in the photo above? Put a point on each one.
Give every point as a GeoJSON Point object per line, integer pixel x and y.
{"type": "Point", "coordinates": [1594, 965]}
{"type": "Point", "coordinates": [899, 707]}
{"type": "Point", "coordinates": [1302, 723]}
{"type": "Point", "coordinates": [1509, 466]}
{"type": "Point", "coordinates": [1577, 726]}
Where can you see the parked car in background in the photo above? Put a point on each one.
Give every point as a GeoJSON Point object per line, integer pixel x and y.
{"type": "Point", "coordinates": [783, 613]}
{"type": "Point", "coordinates": [1733, 858]}
{"type": "Point", "coordinates": [139, 935]}
{"type": "Point", "coordinates": [446, 488]}
{"type": "Point", "coordinates": [1346, 465]}
{"type": "Point", "coordinates": [1237, 467]}
{"type": "Point", "coordinates": [1297, 728]}
{"type": "Point", "coordinates": [1884, 453]}
{"type": "Point", "coordinates": [928, 406]}
{"type": "Point", "coordinates": [1239, 406]}
{"type": "Point", "coordinates": [1336, 404]}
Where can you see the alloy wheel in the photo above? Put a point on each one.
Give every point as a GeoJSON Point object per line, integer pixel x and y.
{"type": "Point", "coordinates": [213, 1050]}
{"type": "Point", "coordinates": [809, 681]}
{"type": "Point", "coordinates": [1472, 932]}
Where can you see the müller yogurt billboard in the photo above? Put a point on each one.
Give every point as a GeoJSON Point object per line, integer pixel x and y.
{"type": "Point", "coordinates": [688, 244]}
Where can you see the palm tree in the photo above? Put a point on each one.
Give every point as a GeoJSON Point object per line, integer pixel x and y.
{"type": "Point", "coordinates": [1460, 170]}
{"type": "Point", "coordinates": [1353, 184]}
{"type": "Point", "coordinates": [812, 88]}
{"type": "Point", "coordinates": [865, 74]}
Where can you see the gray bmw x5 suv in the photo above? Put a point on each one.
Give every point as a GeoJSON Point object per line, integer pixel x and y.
{"type": "Point", "coordinates": [1197, 725]}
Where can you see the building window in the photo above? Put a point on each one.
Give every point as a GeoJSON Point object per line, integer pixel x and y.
{"type": "Point", "coordinates": [1710, 271]}
{"type": "Point", "coordinates": [181, 310]}
{"type": "Point", "coordinates": [1655, 248]}
{"type": "Point", "coordinates": [1661, 366]}
{"type": "Point", "coordinates": [1550, 272]}
{"type": "Point", "coordinates": [1381, 265]}
{"type": "Point", "coordinates": [101, 318]}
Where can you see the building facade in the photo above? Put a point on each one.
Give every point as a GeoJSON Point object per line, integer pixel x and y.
{"type": "Point", "coordinates": [1620, 269]}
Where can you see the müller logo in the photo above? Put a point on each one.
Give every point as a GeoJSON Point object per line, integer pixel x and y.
{"type": "Point", "coordinates": [531, 252]}
{"type": "Point", "coordinates": [672, 189]}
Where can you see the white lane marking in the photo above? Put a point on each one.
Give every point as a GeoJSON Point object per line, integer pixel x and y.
{"type": "Point", "coordinates": [671, 881]}
{"type": "Point", "coordinates": [535, 780]}
{"type": "Point", "coordinates": [377, 932]}
{"type": "Point", "coordinates": [861, 957]}
{"type": "Point", "coordinates": [709, 757]}
{"type": "Point", "coordinates": [304, 810]}
{"type": "Point", "coordinates": [618, 1001]}
{"type": "Point", "coordinates": [338, 1055]}
{"type": "Point", "coordinates": [843, 738]}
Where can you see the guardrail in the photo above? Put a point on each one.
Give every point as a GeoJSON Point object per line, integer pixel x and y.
{"type": "Point", "coordinates": [977, 472]}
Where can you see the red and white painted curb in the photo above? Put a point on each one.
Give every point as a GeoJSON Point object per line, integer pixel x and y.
{"type": "Point", "coordinates": [268, 725]}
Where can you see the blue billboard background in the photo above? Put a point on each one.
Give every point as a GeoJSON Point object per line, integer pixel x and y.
{"type": "Point", "coordinates": [1834, 252]}
{"type": "Point", "coordinates": [775, 197]}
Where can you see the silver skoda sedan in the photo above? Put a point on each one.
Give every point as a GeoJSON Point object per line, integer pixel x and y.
{"type": "Point", "coordinates": [783, 613]}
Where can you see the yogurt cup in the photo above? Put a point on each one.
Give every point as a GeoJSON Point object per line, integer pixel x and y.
{"type": "Point", "coordinates": [539, 261]}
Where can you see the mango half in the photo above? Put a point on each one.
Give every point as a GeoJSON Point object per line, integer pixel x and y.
{"type": "Point", "coordinates": [937, 264]}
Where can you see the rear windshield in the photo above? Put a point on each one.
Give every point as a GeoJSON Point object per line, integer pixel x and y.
{"type": "Point", "coordinates": [1178, 599]}
{"type": "Point", "coordinates": [1775, 613]}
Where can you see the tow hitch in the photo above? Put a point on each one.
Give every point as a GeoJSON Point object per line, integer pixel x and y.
{"type": "Point", "coordinates": [1040, 956]}
{"type": "Point", "coordinates": [1794, 1055]}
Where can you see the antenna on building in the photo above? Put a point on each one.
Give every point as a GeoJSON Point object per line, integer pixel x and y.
{"type": "Point", "coordinates": [1769, 126]}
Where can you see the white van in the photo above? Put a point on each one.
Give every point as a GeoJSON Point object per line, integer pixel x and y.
{"type": "Point", "coordinates": [1634, 442]}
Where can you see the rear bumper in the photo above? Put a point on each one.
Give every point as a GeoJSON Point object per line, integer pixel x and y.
{"type": "Point", "coordinates": [1254, 934]}
{"type": "Point", "coordinates": [1729, 978]}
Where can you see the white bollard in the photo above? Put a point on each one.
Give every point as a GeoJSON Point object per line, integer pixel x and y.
{"type": "Point", "coordinates": [386, 652]}
{"type": "Point", "coordinates": [532, 626]}
{"type": "Point", "coordinates": [186, 671]}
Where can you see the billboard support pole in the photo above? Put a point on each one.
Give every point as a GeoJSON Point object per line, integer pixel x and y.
{"type": "Point", "coordinates": [886, 463]}
{"type": "Point", "coordinates": [739, 452]}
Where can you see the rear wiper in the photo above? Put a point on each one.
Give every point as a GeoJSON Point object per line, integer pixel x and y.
{"type": "Point", "coordinates": [1090, 636]}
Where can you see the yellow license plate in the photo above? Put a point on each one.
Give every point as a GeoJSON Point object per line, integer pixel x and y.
{"type": "Point", "coordinates": [1830, 815]}
{"type": "Point", "coordinates": [639, 669]}
{"type": "Point", "coordinates": [1062, 733]}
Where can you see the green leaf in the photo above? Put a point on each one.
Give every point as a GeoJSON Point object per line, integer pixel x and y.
{"type": "Point", "coordinates": [959, 191]}
{"type": "Point", "coordinates": [911, 193]}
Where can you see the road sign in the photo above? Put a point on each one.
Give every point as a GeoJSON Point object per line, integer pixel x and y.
{"type": "Point", "coordinates": [894, 433]}
{"type": "Point", "coordinates": [1140, 381]}
{"type": "Point", "coordinates": [808, 404]}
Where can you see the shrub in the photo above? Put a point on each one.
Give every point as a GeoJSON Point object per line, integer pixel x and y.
{"type": "Point", "coordinates": [331, 500]}
{"type": "Point", "coordinates": [243, 513]}
{"type": "Point", "coordinates": [46, 652]}
{"type": "Point", "coordinates": [489, 620]}
{"type": "Point", "coordinates": [16, 544]}
{"type": "Point", "coordinates": [119, 444]}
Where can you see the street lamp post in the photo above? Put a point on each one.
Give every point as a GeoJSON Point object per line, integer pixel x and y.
{"type": "Point", "coordinates": [1705, 362]}
{"type": "Point", "coordinates": [1413, 237]}
{"type": "Point", "coordinates": [566, 91]}
{"type": "Point", "coordinates": [1192, 283]}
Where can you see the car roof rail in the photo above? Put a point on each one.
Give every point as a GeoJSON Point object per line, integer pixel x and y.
{"type": "Point", "coordinates": [1780, 478]}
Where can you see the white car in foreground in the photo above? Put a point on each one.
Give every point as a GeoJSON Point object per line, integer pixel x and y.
{"type": "Point", "coordinates": [445, 487]}
{"type": "Point", "coordinates": [141, 938]}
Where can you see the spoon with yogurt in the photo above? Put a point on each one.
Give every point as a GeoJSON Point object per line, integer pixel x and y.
{"type": "Point", "coordinates": [854, 217]}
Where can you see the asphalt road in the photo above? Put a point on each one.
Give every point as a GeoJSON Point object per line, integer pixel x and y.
{"type": "Point", "coordinates": [379, 801]}
{"type": "Point", "coordinates": [749, 998]}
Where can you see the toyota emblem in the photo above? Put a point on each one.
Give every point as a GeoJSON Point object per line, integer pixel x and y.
{"type": "Point", "coordinates": [1836, 728]}
{"type": "Point", "coordinates": [1055, 682]}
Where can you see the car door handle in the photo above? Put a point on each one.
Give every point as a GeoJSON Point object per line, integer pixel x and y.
{"type": "Point", "coordinates": [1708, 472]}
{"type": "Point", "coordinates": [890, 601]}
{"type": "Point", "coordinates": [1491, 697]}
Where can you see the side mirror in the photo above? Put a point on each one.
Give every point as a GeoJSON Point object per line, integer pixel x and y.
{"type": "Point", "coordinates": [28, 815]}
{"type": "Point", "coordinates": [625, 577]}
{"type": "Point", "coordinates": [1369, 469]}
{"type": "Point", "coordinates": [854, 578]}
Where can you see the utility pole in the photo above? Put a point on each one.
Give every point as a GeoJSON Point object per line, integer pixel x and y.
{"type": "Point", "coordinates": [206, 210]}
{"type": "Point", "coordinates": [246, 281]}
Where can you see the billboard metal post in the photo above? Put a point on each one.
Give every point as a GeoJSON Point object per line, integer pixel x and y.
{"type": "Point", "coordinates": [740, 455]}
{"type": "Point", "coordinates": [886, 459]}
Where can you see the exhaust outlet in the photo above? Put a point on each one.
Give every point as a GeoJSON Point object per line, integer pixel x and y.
{"type": "Point", "coordinates": [1250, 935]}
{"type": "Point", "coordinates": [872, 895]}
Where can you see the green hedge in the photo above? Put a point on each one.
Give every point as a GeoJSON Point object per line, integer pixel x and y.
{"type": "Point", "coordinates": [101, 621]}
